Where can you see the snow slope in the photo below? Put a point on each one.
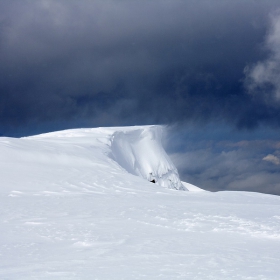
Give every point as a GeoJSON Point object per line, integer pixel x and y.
{"type": "Point", "coordinates": [72, 208]}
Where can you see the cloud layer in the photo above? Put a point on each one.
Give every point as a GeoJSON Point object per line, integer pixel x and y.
{"type": "Point", "coordinates": [263, 77]}
{"type": "Point", "coordinates": [229, 165]}
{"type": "Point", "coordinates": [65, 64]}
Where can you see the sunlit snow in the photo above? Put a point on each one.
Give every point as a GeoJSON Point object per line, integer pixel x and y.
{"type": "Point", "coordinates": [79, 204]}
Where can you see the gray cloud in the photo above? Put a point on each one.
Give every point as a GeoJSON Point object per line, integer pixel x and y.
{"type": "Point", "coordinates": [231, 165]}
{"type": "Point", "coordinates": [272, 158]}
{"type": "Point", "coordinates": [263, 76]}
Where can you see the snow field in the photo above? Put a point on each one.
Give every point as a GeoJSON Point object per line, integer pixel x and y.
{"type": "Point", "coordinates": [70, 211]}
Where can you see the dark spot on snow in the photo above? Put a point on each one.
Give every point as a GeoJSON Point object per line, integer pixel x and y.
{"type": "Point", "coordinates": [153, 181]}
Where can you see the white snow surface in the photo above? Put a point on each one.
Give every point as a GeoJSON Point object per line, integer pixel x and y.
{"type": "Point", "coordinates": [191, 187]}
{"type": "Point", "coordinates": [72, 208]}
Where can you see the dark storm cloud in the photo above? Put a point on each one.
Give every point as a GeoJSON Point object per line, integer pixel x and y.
{"type": "Point", "coordinates": [92, 63]}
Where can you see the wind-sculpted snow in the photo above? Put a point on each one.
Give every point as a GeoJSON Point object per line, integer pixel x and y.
{"type": "Point", "coordinates": [69, 211]}
{"type": "Point", "coordinates": [140, 153]}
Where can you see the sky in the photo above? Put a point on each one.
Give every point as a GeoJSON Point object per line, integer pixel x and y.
{"type": "Point", "coordinates": [208, 69]}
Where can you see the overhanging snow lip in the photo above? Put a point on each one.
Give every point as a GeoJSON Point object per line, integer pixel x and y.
{"type": "Point", "coordinates": [139, 151]}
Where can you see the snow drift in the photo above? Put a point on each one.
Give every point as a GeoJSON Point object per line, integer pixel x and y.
{"type": "Point", "coordinates": [140, 153]}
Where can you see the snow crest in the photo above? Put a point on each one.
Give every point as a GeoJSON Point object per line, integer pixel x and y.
{"type": "Point", "coordinates": [140, 152]}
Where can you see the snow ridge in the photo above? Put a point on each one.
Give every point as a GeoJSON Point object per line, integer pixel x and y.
{"type": "Point", "coordinates": [140, 152]}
